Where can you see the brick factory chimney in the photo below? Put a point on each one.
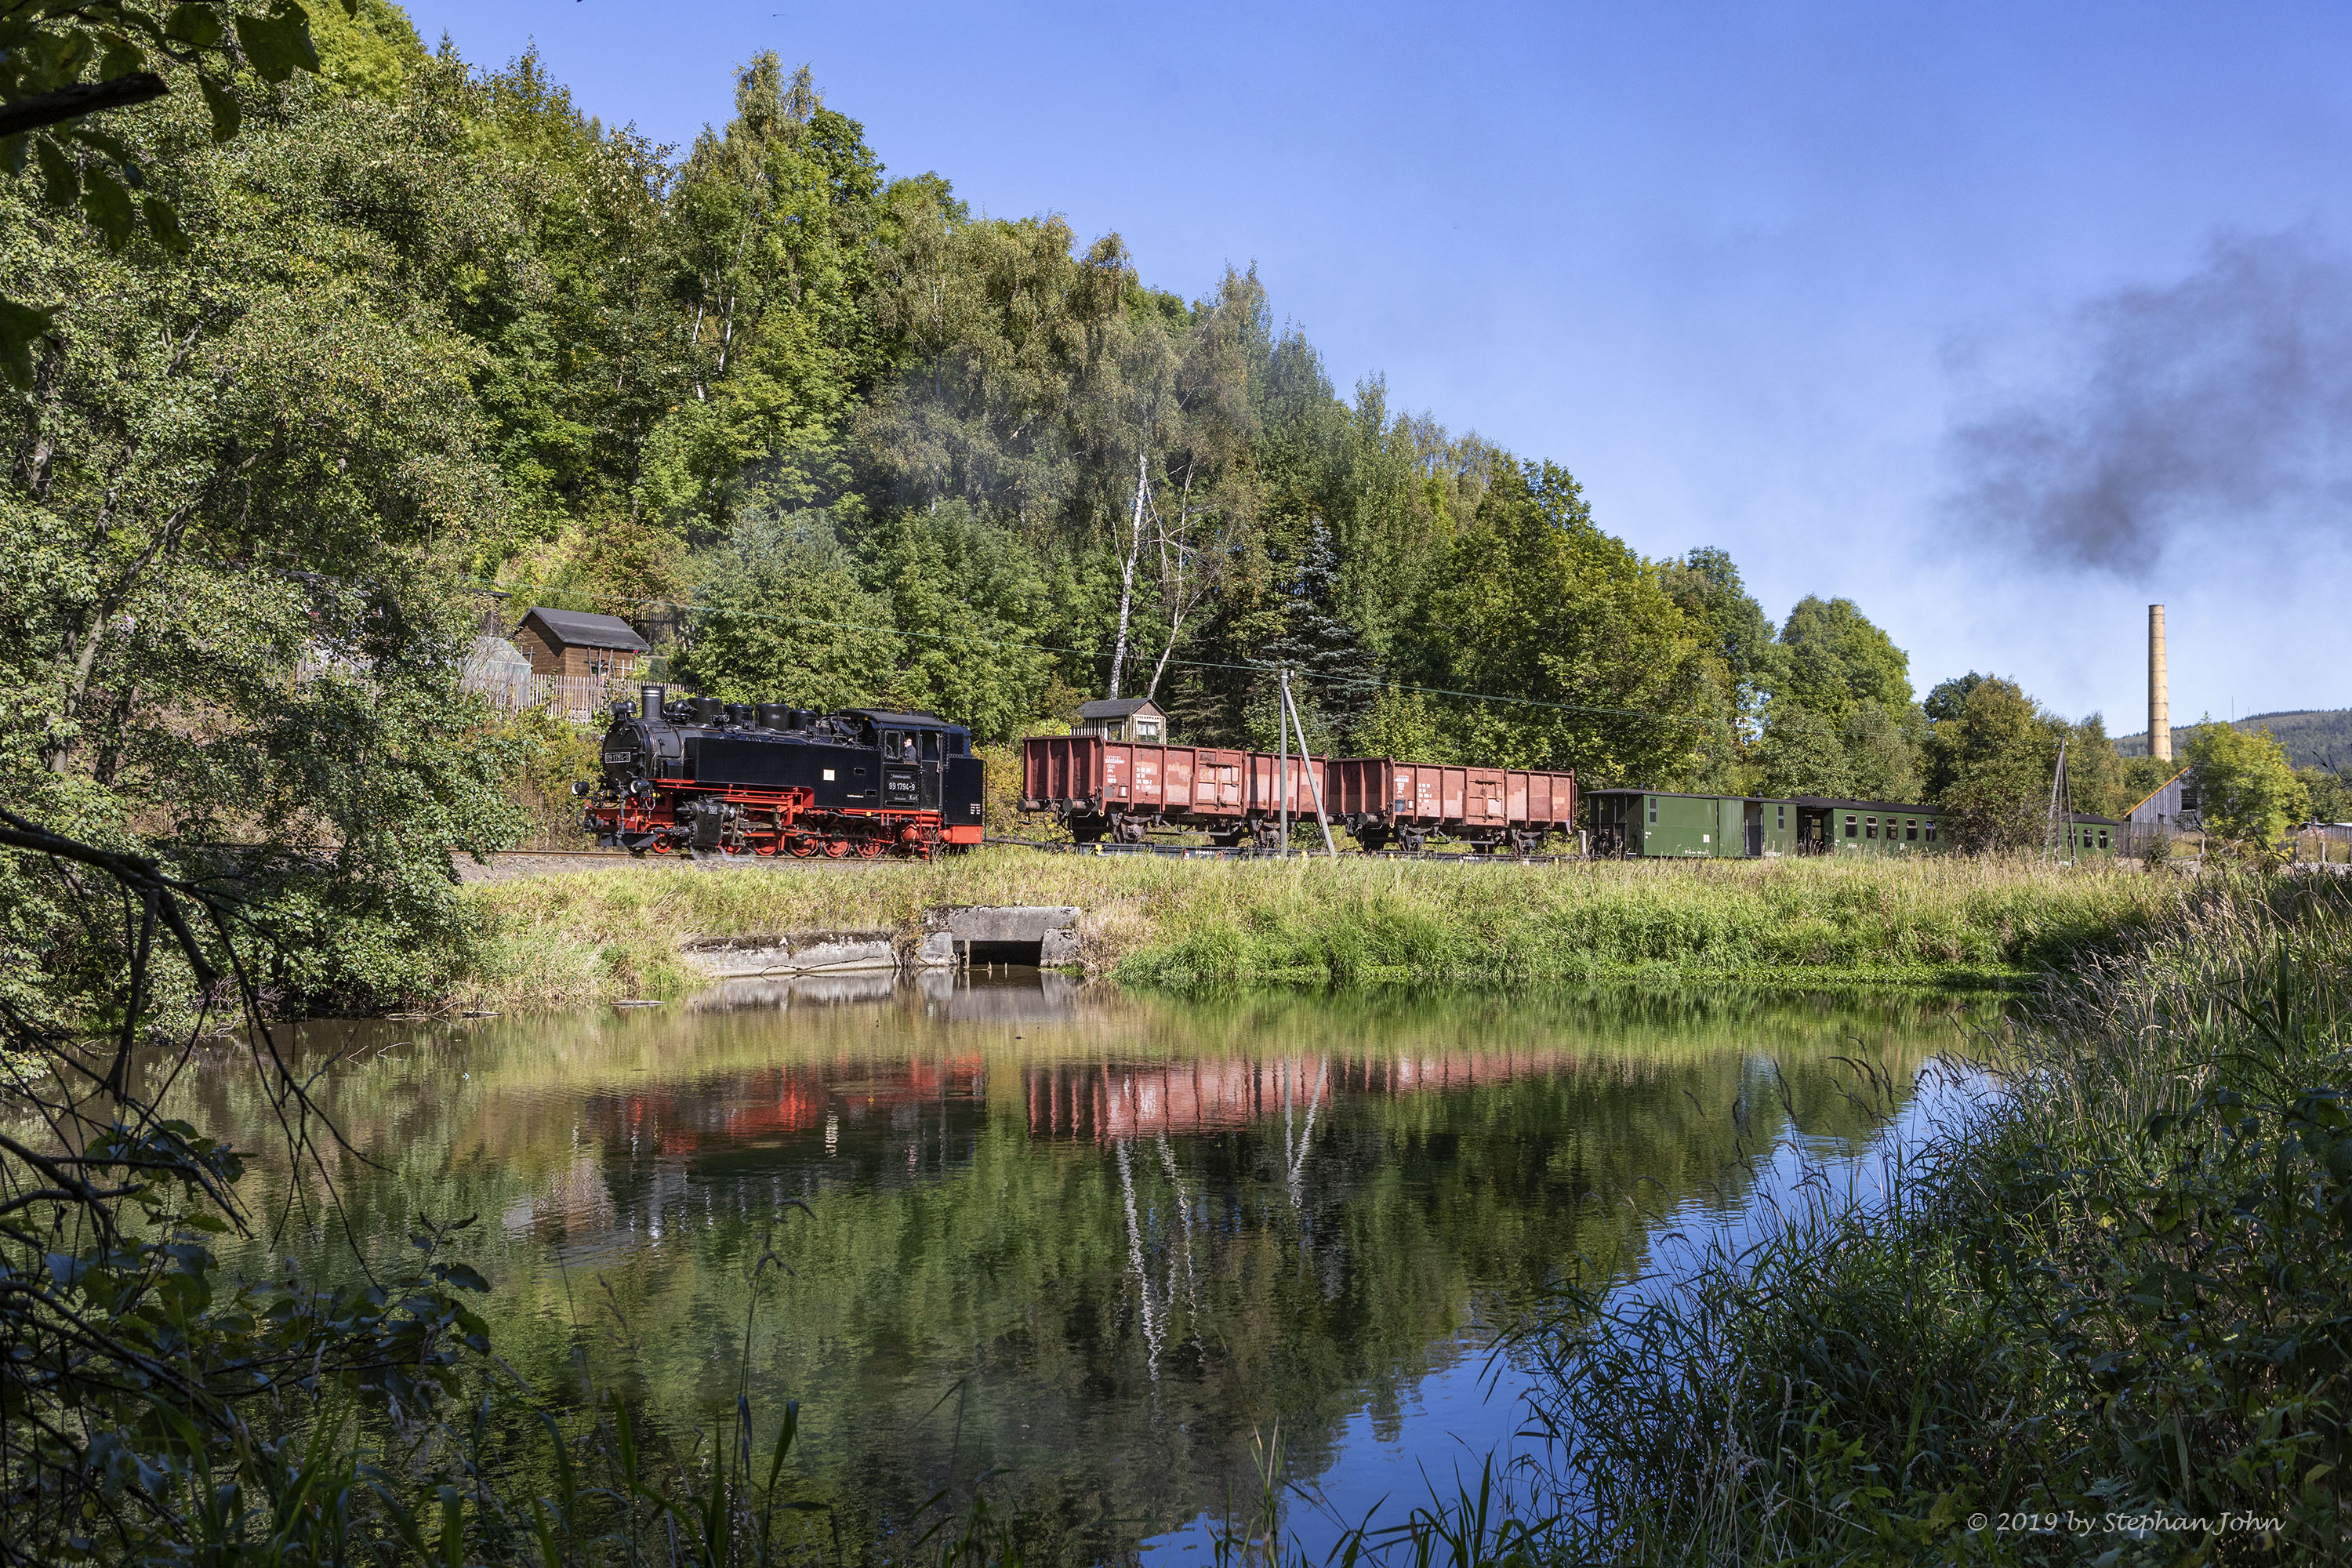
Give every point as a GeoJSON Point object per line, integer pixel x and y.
{"type": "Point", "coordinates": [2159, 702]}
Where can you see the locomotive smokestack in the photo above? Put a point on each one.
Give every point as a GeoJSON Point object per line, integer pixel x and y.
{"type": "Point", "coordinates": [2159, 701]}
{"type": "Point", "coordinates": [649, 701]}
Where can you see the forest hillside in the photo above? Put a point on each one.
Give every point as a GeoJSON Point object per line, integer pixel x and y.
{"type": "Point", "coordinates": [385, 353]}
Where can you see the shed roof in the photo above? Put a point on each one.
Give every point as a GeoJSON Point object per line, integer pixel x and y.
{"type": "Point", "coordinates": [578, 628]}
{"type": "Point", "coordinates": [2158, 790]}
{"type": "Point", "coordinates": [1115, 707]}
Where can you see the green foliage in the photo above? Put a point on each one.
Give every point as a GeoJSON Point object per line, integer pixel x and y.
{"type": "Point", "coordinates": [544, 753]}
{"type": "Point", "coordinates": [50, 51]}
{"type": "Point", "coordinates": [244, 468]}
{"type": "Point", "coordinates": [159, 1408]}
{"type": "Point", "coordinates": [1744, 663]}
{"type": "Point", "coordinates": [2246, 790]}
{"type": "Point", "coordinates": [1882, 751]}
{"type": "Point", "coordinates": [1803, 753]}
{"type": "Point", "coordinates": [782, 618]}
{"type": "Point", "coordinates": [1540, 604]}
{"type": "Point", "coordinates": [2330, 791]}
{"type": "Point", "coordinates": [1991, 761]}
{"type": "Point", "coordinates": [1836, 659]}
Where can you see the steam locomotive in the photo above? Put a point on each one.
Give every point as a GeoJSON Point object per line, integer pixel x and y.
{"type": "Point", "coordinates": [703, 776]}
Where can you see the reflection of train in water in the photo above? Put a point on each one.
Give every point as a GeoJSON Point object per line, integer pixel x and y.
{"type": "Point", "coordinates": [1091, 1101]}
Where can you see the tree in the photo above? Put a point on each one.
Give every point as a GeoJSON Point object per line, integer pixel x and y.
{"type": "Point", "coordinates": [226, 529]}
{"type": "Point", "coordinates": [2331, 793]}
{"type": "Point", "coordinates": [782, 617]}
{"type": "Point", "coordinates": [1882, 751]}
{"type": "Point", "coordinates": [1802, 753]}
{"type": "Point", "coordinates": [965, 597]}
{"type": "Point", "coordinates": [2246, 789]}
{"type": "Point", "coordinates": [1950, 696]}
{"type": "Point", "coordinates": [1991, 758]}
{"type": "Point", "coordinates": [773, 219]}
{"type": "Point", "coordinates": [46, 107]}
{"type": "Point", "coordinates": [1990, 767]}
{"type": "Point", "coordinates": [1540, 605]}
{"type": "Point", "coordinates": [1706, 586]}
{"type": "Point", "coordinates": [1836, 659]}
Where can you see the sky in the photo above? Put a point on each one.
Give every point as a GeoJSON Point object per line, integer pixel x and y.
{"type": "Point", "coordinates": [2003, 321]}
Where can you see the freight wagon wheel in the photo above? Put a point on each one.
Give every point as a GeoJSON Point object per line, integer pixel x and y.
{"type": "Point", "coordinates": [835, 848]}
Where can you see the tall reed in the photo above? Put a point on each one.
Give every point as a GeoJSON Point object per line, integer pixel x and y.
{"type": "Point", "coordinates": [2117, 1301]}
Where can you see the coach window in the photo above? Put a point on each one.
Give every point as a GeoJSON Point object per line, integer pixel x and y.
{"type": "Point", "coordinates": [1653, 813]}
{"type": "Point", "coordinates": [1870, 827]}
{"type": "Point", "coordinates": [1931, 830]}
{"type": "Point", "coordinates": [1780, 818]}
{"type": "Point", "coordinates": [1911, 829]}
{"type": "Point", "coordinates": [2102, 839]}
{"type": "Point", "coordinates": [930, 745]}
{"type": "Point", "coordinates": [1851, 830]}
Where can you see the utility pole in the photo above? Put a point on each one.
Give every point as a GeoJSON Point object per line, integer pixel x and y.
{"type": "Point", "coordinates": [2052, 839]}
{"type": "Point", "coordinates": [1282, 764]}
{"type": "Point", "coordinates": [1322, 820]}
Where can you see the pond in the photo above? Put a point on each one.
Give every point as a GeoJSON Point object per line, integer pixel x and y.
{"type": "Point", "coordinates": [1093, 1246]}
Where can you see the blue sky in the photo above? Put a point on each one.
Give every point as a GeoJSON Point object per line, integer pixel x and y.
{"type": "Point", "coordinates": [2003, 321]}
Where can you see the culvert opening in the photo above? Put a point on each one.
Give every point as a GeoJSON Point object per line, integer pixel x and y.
{"type": "Point", "coordinates": [982, 954]}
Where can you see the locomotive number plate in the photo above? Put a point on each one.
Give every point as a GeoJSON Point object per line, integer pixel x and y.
{"type": "Point", "coordinates": [620, 756]}
{"type": "Point", "coordinates": [898, 786]}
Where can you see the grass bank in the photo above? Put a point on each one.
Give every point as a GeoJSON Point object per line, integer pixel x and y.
{"type": "Point", "coordinates": [560, 941]}
{"type": "Point", "coordinates": [2117, 1303]}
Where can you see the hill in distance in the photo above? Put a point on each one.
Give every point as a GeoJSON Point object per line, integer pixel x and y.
{"type": "Point", "coordinates": [2313, 737]}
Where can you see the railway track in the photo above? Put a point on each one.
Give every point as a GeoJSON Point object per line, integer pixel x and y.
{"type": "Point", "coordinates": [523, 861]}
{"type": "Point", "coordinates": [1219, 852]}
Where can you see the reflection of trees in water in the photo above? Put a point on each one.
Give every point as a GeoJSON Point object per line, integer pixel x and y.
{"type": "Point", "coordinates": [1137, 1238]}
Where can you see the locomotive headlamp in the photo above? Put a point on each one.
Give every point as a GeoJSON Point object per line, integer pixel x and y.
{"type": "Point", "coordinates": [583, 788]}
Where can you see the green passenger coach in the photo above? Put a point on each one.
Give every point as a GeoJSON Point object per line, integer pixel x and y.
{"type": "Point", "coordinates": [1661, 824]}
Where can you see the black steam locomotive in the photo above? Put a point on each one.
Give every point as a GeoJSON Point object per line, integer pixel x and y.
{"type": "Point", "coordinates": [705, 776]}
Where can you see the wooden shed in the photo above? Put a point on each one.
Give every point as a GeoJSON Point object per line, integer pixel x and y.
{"type": "Point", "coordinates": [1121, 718]}
{"type": "Point", "coordinates": [578, 645]}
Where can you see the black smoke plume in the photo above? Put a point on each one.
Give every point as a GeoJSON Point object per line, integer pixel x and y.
{"type": "Point", "coordinates": [2216, 410]}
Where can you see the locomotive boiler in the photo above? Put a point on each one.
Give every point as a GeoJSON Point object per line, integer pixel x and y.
{"type": "Point", "coordinates": [703, 776]}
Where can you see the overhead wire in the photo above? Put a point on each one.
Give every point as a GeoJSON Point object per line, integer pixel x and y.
{"type": "Point", "coordinates": [1259, 667]}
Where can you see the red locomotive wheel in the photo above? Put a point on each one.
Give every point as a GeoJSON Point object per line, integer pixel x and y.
{"type": "Point", "coordinates": [835, 848]}
{"type": "Point", "coordinates": [868, 849]}
{"type": "Point", "coordinates": [801, 844]}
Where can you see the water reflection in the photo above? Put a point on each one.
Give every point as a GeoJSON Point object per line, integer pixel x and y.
{"type": "Point", "coordinates": [1122, 1236]}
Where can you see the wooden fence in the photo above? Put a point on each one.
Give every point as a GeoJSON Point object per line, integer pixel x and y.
{"type": "Point", "coordinates": [516, 688]}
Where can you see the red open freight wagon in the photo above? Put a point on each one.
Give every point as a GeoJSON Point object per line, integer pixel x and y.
{"type": "Point", "coordinates": [1123, 790]}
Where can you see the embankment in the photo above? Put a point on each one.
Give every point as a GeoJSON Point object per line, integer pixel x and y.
{"type": "Point", "coordinates": [561, 941]}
